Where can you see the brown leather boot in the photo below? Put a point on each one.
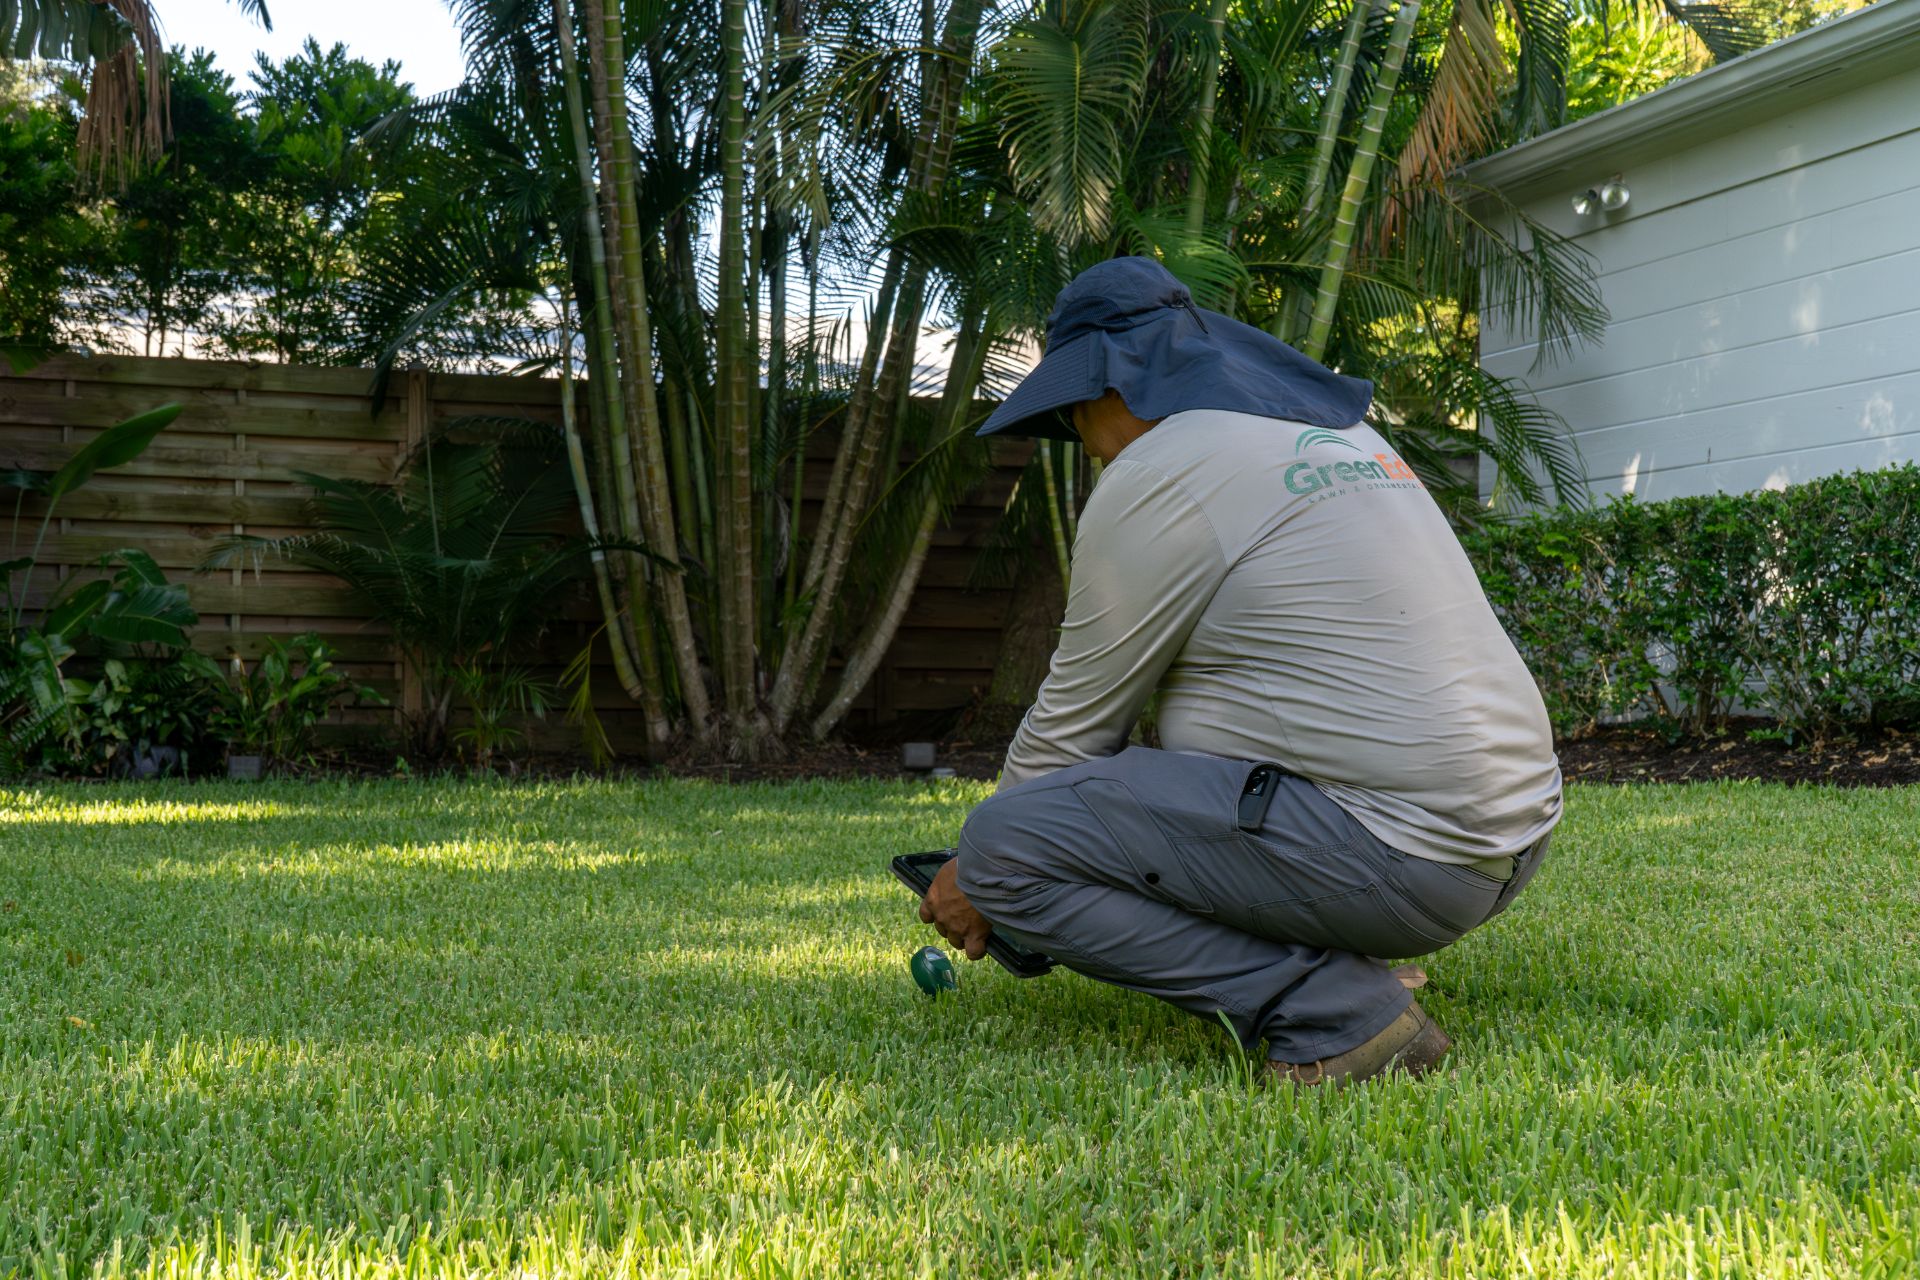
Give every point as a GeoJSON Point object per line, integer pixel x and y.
{"type": "Point", "coordinates": [1412, 1043]}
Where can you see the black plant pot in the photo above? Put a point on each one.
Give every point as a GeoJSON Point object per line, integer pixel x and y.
{"type": "Point", "coordinates": [148, 762]}
{"type": "Point", "coordinates": [247, 768]}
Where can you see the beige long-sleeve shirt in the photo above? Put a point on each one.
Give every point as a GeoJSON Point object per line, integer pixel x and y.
{"type": "Point", "coordinates": [1296, 596]}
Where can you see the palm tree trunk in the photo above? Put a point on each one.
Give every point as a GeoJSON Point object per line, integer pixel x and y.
{"type": "Point", "coordinates": [1347, 219]}
{"type": "Point", "coordinates": [623, 667]}
{"type": "Point", "coordinates": [736, 571]}
{"type": "Point", "coordinates": [870, 416]}
{"type": "Point", "coordinates": [653, 702]}
{"type": "Point", "coordinates": [1335, 112]}
{"type": "Point", "coordinates": [855, 416]}
{"type": "Point", "coordinates": [648, 460]}
{"type": "Point", "coordinates": [873, 644]}
{"type": "Point", "coordinates": [1297, 308]}
{"type": "Point", "coordinates": [963, 376]}
{"type": "Point", "coordinates": [1056, 524]}
{"type": "Point", "coordinates": [1202, 157]}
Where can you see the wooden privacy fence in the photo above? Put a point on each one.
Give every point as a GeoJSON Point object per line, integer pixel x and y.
{"type": "Point", "coordinates": [228, 465]}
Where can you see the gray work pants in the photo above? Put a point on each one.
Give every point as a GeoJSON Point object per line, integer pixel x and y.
{"type": "Point", "coordinates": [1132, 870]}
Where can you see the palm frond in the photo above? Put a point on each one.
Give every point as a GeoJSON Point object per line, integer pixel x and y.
{"type": "Point", "coordinates": [1064, 95]}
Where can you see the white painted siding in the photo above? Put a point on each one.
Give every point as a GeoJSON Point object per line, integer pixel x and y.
{"type": "Point", "coordinates": [1764, 288]}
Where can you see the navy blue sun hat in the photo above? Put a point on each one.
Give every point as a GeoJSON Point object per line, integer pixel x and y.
{"type": "Point", "coordinates": [1129, 325]}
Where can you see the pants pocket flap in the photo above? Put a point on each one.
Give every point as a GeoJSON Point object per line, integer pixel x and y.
{"type": "Point", "coordinates": [1134, 830]}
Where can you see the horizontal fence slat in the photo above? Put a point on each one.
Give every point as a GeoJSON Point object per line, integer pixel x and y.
{"type": "Point", "coordinates": [230, 375]}
{"type": "Point", "coordinates": [225, 464]}
{"type": "Point", "coordinates": [41, 403]}
{"type": "Point", "coordinates": [183, 508]}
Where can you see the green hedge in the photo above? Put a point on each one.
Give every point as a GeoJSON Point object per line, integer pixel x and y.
{"type": "Point", "coordinates": [1803, 602]}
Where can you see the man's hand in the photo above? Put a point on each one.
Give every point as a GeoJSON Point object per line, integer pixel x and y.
{"type": "Point", "coordinates": [947, 909]}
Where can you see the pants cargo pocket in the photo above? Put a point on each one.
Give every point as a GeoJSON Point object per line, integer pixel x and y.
{"type": "Point", "coordinates": [1162, 872]}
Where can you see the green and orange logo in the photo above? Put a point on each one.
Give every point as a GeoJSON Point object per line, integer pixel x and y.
{"type": "Point", "coordinates": [1321, 435]}
{"type": "Point", "coordinates": [1383, 470]}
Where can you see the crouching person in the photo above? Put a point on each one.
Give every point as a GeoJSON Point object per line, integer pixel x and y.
{"type": "Point", "coordinates": [1358, 766]}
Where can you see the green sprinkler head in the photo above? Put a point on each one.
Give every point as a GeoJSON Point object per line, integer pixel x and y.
{"type": "Point", "coordinates": [932, 971]}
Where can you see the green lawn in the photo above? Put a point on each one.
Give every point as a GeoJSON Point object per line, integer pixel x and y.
{"type": "Point", "coordinates": [667, 1029]}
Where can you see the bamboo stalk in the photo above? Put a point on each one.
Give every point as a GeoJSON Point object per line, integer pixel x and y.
{"type": "Point", "coordinates": [1054, 523]}
{"type": "Point", "coordinates": [1202, 158]}
{"type": "Point", "coordinates": [1297, 309]}
{"type": "Point", "coordinates": [623, 668]}
{"type": "Point", "coordinates": [648, 460]}
{"type": "Point", "coordinates": [1347, 220]}
{"type": "Point", "coordinates": [1334, 113]}
{"type": "Point", "coordinates": [867, 429]}
{"type": "Point", "coordinates": [653, 703]}
{"type": "Point", "coordinates": [964, 370]}
{"type": "Point", "coordinates": [735, 524]}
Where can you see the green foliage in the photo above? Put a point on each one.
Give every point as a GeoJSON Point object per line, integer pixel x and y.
{"type": "Point", "coordinates": [464, 559]}
{"type": "Point", "coordinates": [49, 235]}
{"type": "Point", "coordinates": [597, 1031]}
{"type": "Point", "coordinates": [132, 606]}
{"type": "Point", "coordinates": [51, 721]}
{"type": "Point", "coordinates": [272, 709]}
{"type": "Point", "coordinates": [499, 702]}
{"type": "Point", "coordinates": [1620, 51]}
{"type": "Point", "coordinates": [309, 210]}
{"type": "Point", "coordinates": [137, 705]}
{"type": "Point", "coordinates": [1799, 601]}
{"type": "Point", "coordinates": [175, 238]}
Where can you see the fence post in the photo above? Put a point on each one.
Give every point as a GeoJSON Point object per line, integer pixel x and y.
{"type": "Point", "coordinates": [237, 576]}
{"type": "Point", "coordinates": [419, 418]}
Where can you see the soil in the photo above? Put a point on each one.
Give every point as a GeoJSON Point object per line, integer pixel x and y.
{"type": "Point", "coordinates": [1885, 759]}
{"type": "Point", "coordinates": [1888, 758]}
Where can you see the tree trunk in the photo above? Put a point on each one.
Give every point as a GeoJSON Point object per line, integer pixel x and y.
{"type": "Point", "coordinates": [870, 416]}
{"type": "Point", "coordinates": [653, 703]}
{"type": "Point", "coordinates": [963, 376]}
{"type": "Point", "coordinates": [1202, 157]}
{"type": "Point", "coordinates": [623, 668]}
{"type": "Point", "coordinates": [648, 459]}
{"type": "Point", "coordinates": [1056, 522]}
{"type": "Point", "coordinates": [1347, 220]}
{"type": "Point", "coordinates": [1297, 310]}
{"type": "Point", "coordinates": [1027, 641]}
{"type": "Point", "coordinates": [1334, 112]}
{"type": "Point", "coordinates": [736, 570]}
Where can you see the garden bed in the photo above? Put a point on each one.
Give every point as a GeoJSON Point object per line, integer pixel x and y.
{"type": "Point", "coordinates": [1886, 759]}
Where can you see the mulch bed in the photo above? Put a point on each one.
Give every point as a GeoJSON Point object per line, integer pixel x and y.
{"type": "Point", "coordinates": [1887, 759]}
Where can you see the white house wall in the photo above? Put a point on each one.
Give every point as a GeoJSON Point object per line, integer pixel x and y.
{"type": "Point", "coordinates": [1764, 291]}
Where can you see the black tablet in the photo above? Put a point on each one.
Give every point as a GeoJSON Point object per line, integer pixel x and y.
{"type": "Point", "coordinates": [915, 870]}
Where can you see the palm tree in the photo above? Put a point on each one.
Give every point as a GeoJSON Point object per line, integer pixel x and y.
{"type": "Point", "coordinates": [956, 166]}
{"type": "Point", "coordinates": [118, 43]}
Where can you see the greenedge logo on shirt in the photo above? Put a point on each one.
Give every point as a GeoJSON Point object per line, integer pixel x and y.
{"type": "Point", "coordinates": [1385, 470]}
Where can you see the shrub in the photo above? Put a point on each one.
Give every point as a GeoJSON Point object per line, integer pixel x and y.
{"type": "Point", "coordinates": [1802, 601]}
{"type": "Point", "coordinates": [273, 709]}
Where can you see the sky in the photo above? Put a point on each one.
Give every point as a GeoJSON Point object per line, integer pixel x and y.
{"type": "Point", "coordinates": [419, 34]}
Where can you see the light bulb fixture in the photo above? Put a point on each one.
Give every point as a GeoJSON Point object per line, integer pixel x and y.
{"type": "Point", "coordinates": [1611, 196]}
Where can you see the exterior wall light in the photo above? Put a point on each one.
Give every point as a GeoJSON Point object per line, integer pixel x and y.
{"type": "Point", "coordinates": [1611, 196]}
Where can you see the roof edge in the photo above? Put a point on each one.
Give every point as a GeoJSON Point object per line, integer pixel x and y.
{"type": "Point", "coordinates": [1869, 41]}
